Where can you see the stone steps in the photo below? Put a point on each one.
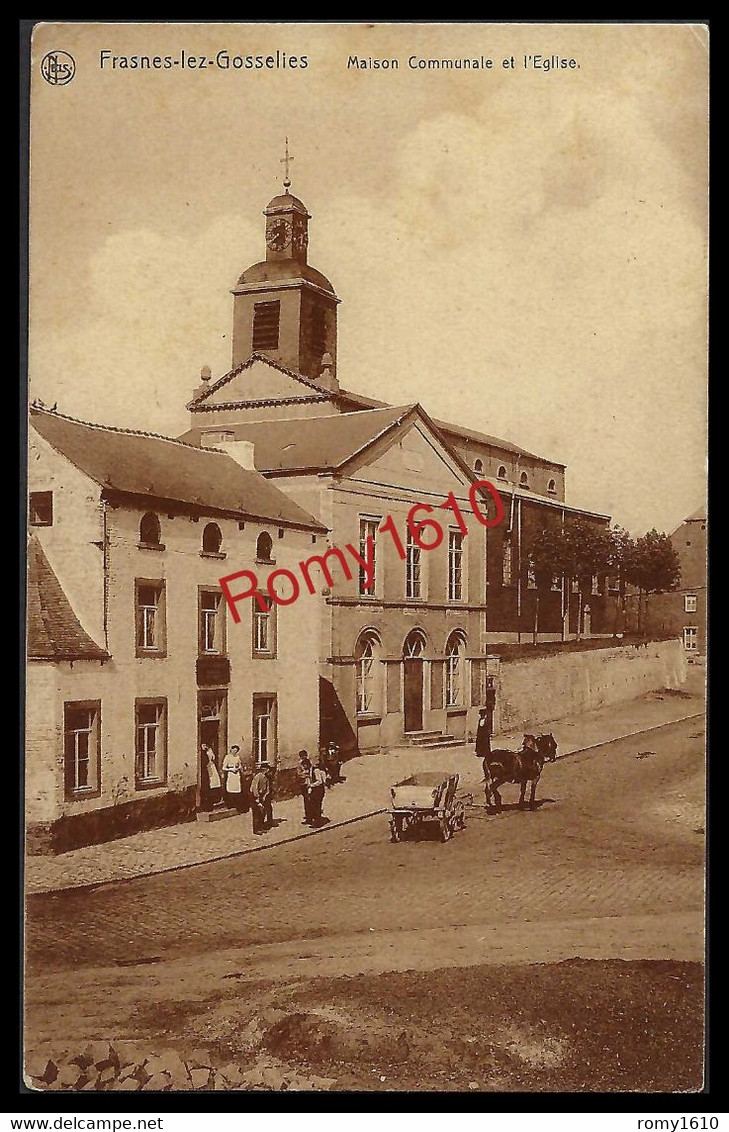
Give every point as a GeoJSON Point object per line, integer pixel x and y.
{"type": "Point", "coordinates": [215, 815]}
{"type": "Point", "coordinates": [433, 740]}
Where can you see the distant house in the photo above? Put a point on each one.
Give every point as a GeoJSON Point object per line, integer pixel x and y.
{"type": "Point", "coordinates": [682, 612]}
{"type": "Point", "coordinates": [133, 658]}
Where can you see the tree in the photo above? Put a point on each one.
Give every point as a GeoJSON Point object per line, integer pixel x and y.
{"type": "Point", "coordinates": [578, 550]}
{"type": "Point", "coordinates": [547, 556]}
{"type": "Point", "coordinates": [587, 553]}
{"type": "Point", "coordinates": [620, 563]}
{"type": "Point", "coordinates": [654, 566]}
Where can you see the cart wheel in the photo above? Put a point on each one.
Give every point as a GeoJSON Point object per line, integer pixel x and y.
{"type": "Point", "coordinates": [445, 830]}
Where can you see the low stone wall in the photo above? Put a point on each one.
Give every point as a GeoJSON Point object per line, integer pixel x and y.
{"type": "Point", "coordinates": [531, 692]}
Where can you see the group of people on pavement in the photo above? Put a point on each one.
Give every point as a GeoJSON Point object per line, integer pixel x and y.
{"type": "Point", "coordinates": [229, 786]}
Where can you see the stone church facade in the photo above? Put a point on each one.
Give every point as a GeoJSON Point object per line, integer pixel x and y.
{"type": "Point", "coordinates": [405, 657]}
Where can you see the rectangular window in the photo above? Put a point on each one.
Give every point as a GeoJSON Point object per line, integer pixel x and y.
{"type": "Point", "coordinates": [264, 729]}
{"type": "Point", "coordinates": [412, 567]}
{"type": "Point", "coordinates": [531, 575]}
{"type": "Point", "coordinates": [689, 603]}
{"type": "Point", "coordinates": [150, 763]}
{"type": "Point", "coordinates": [368, 530]}
{"type": "Point", "coordinates": [41, 509]}
{"type": "Point", "coordinates": [556, 582]}
{"type": "Point", "coordinates": [150, 615]}
{"type": "Point", "coordinates": [81, 748]}
{"type": "Point", "coordinates": [455, 566]}
{"type": "Point", "coordinates": [506, 563]}
{"type": "Point", "coordinates": [595, 584]}
{"type": "Point", "coordinates": [266, 319]}
{"type": "Point", "coordinates": [690, 638]}
{"type": "Point", "coordinates": [211, 622]}
{"type": "Point", "coordinates": [264, 628]}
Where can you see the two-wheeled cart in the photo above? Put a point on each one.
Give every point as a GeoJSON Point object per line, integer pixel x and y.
{"type": "Point", "coordinates": [426, 797]}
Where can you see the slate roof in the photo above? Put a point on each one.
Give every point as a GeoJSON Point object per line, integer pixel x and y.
{"type": "Point", "coordinates": [448, 427]}
{"type": "Point", "coordinates": [314, 444]}
{"type": "Point", "coordinates": [347, 397]}
{"type": "Point", "coordinates": [699, 516]}
{"type": "Point", "coordinates": [54, 631]}
{"type": "Point", "coordinates": [145, 464]}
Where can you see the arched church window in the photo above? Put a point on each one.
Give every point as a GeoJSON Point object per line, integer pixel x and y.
{"type": "Point", "coordinates": [501, 474]}
{"type": "Point", "coordinates": [264, 547]}
{"type": "Point", "coordinates": [212, 539]}
{"type": "Point", "coordinates": [523, 480]}
{"type": "Point", "coordinates": [455, 662]}
{"type": "Point", "coordinates": [150, 531]}
{"type": "Point", "coordinates": [367, 659]}
{"type": "Point", "coordinates": [478, 467]}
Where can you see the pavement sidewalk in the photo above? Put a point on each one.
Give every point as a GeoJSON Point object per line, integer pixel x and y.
{"type": "Point", "coordinates": [364, 793]}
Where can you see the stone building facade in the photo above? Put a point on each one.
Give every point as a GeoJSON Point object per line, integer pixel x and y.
{"type": "Point", "coordinates": [682, 612]}
{"type": "Point", "coordinates": [409, 658]}
{"type": "Point", "coordinates": [133, 658]}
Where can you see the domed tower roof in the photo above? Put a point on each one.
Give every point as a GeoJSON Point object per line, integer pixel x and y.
{"type": "Point", "coordinates": [283, 307]}
{"type": "Point", "coordinates": [286, 202]}
{"type": "Point", "coordinates": [277, 271]}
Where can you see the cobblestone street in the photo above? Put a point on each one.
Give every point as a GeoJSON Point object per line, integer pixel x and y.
{"type": "Point", "coordinates": [602, 843]}
{"type": "Point", "coordinates": [364, 792]}
{"type": "Point", "coordinates": [610, 866]}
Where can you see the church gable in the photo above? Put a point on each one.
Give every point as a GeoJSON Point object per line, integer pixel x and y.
{"type": "Point", "coordinates": [257, 380]}
{"type": "Point", "coordinates": [412, 457]}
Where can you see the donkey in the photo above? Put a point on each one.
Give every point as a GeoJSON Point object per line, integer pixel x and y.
{"type": "Point", "coordinates": [520, 767]}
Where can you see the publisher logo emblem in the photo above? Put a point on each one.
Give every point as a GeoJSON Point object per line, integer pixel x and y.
{"type": "Point", "coordinates": [58, 67]}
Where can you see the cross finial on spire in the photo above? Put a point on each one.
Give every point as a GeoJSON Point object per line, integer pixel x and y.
{"type": "Point", "coordinates": [287, 162]}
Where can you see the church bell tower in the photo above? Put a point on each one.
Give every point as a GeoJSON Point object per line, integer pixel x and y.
{"type": "Point", "coordinates": [282, 307]}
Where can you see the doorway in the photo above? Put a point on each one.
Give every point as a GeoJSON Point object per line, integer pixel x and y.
{"type": "Point", "coordinates": [212, 732]}
{"type": "Point", "coordinates": [413, 681]}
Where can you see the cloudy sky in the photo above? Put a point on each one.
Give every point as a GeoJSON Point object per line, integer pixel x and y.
{"type": "Point", "coordinates": [522, 251]}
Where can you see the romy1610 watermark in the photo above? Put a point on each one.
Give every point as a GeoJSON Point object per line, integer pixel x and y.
{"type": "Point", "coordinates": [426, 533]}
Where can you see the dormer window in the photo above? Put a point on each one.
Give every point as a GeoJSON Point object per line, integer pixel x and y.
{"type": "Point", "coordinates": [501, 474]}
{"type": "Point", "coordinates": [150, 532]}
{"type": "Point", "coordinates": [212, 539]}
{"type": "Point", "coordinates": [266, 319]}
{"type": "Point", "coordinates": [264, 547]}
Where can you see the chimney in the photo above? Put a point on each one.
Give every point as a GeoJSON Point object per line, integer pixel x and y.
{"type": "Point", "coordinates": [242, 451]}
{"type": "Point", "coordinates": [205, 375]}
{"type": "Point", "coordinates": [326, 377]}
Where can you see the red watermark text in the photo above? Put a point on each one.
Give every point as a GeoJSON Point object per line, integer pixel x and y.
{"type": "Point", "coordinates": [284, 586]}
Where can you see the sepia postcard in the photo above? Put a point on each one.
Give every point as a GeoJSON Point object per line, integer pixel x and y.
{"type": "Point", "coordinates": [366, 561]}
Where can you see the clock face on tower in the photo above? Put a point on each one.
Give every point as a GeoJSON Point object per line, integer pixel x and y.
{"type": "Point", "coordinates": [299, 237]}
{"type": "Point", "coordinates": [278, 235]}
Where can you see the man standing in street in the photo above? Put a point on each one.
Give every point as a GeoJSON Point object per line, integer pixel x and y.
{"type": "Point", "coordinates": [317, 787]}
{"type": "Point", "coordinates": [260, 797]}
{"type": "Point", "coordinates": [304, 771]}
{"type": "Point", "coordinates": [483, 737]}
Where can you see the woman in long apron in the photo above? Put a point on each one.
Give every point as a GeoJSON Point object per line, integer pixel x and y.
{"type": "Point", "coordinates": [212, 786]}
{"type": "Point", "coordinates": [233, 779]}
